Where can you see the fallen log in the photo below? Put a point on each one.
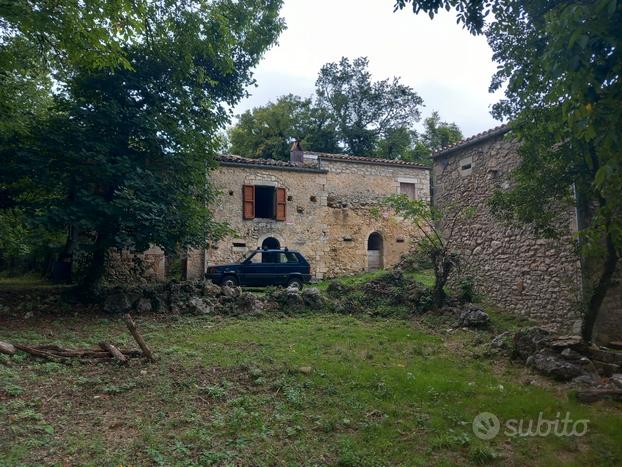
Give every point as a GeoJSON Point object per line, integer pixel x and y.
{"type": "Point", "coordinates": [37, 352]}
{"type": "Point", "coordinates": [114, 352]}
{"type": "Point", "coordinates": [592, 395]}
{"type": "Point", "coordinates": [55, 352]}
{"type": "Point", "coordinates": [96, 353]}
{"type": "Point", "coordinates": [7, 348]}
{"type": "Point", "coordinates": [138, 338]}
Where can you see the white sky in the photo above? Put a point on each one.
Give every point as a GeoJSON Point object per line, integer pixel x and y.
{"type": "Point", "coordinates": [449, 68]}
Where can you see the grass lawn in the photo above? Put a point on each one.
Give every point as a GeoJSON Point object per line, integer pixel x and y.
{"type": "Point", "coordinates": [307, 389]}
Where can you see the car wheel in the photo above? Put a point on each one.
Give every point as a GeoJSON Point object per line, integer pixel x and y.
{"type": "Point", "coordinates": [229, 281]}
{"type": "Point", "coordinates": [295, 283]}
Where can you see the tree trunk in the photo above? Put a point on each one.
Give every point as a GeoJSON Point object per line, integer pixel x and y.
{"type": "Point", "coordinates": [97, 264]}
{"type": "Point", "coordinates": [600, 291]}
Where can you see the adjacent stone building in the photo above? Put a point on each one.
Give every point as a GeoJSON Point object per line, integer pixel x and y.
{"type": "Point", "coordinates": [509, 264]}
{"type": "Point", "coordinates": [327, 206]}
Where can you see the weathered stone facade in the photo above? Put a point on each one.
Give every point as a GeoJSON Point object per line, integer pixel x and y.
{"type": "Point", "coordinates": [332, 208]}
{"type": "Point", "coordinates": [510, 265]}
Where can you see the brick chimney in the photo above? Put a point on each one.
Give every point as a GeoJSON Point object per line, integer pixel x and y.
{"type": "Point", "coordinates": [296, 153]}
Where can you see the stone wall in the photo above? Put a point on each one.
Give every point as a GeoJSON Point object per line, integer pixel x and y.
{"type": "Point", "coordinates": [331, 211]}
{"type": "Point", "coordinates": [125, 267]}
{"type": "Point", "coordinates": [510, 265]}
{"type": "Point", "coordinates": [354, 212]}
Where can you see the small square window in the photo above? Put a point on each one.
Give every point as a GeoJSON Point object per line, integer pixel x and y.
{"type": "Point", "coordinates": [408, 189]}
{"type": "Point", "coordinates": [466, 166]}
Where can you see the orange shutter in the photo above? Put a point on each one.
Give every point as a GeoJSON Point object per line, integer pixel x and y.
{"type": "Point", "coordinates": [281, 204]}
{"type": "Point", "coordinates": [248, 201]}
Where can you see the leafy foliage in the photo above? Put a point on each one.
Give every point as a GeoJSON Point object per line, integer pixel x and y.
{"type": "Point", "coordinates": [436, 135]}
{"type": "Point", "coordinates": [350, 113]}
{"type": "Point", "coordinates": [436, 229]}
{"type": "Point", "coordinates": [364, 110]}
{"type": "Point", "coordinates": [122, 154]}
{"type": "Point", "coordinates": [560, 63]}
{"type": "Point", "coordinates": [268, 131]}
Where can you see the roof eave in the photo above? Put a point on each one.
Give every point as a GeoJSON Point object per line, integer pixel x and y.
{"type": "Point", "coordinates": [472, 141]}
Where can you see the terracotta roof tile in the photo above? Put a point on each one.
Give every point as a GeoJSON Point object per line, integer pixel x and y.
{"type": "Point", "coordinates": [232, 159]}
{"type": "Point", "coordinates": [247, 160]}
{"type": "Point", "coordinates": [367, 160]}
{"type": "Point", "coordinates": [483, 136]}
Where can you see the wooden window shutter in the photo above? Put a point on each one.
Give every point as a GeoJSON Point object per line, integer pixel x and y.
{"type": "Point", "coordinates": [281, 204]}
{"type": "Point", "coordinates": [248, 201]}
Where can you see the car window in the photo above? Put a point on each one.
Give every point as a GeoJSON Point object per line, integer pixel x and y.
{"type": "Point", "coordinates": [270, 257]}
{"type": "Point", "coordinates": [256, 258]}
{"type": "Point", "coordinates": [290, 258]}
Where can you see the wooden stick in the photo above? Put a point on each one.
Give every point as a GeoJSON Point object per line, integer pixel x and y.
{"type": "Point", "coordinates": [37, 352]}
{"type": "Point", "coordinates": [114, 352]}
{"type": "Point", "coordinates": [138, 338]}
{"type": "Point", "coordinates": [7, 348]}
{"type": "Point", "coordinates": [51, 352]}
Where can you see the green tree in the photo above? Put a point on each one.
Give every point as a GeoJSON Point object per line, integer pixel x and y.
{"type": "Point", "coordinates": [364, 111]}
{"type": "Point", "coordinates": [436, 135]}
{"type": "Point", "coordinates": [561, 63]}
{"type": "Point", "coordinates": [395, 144]}
{"type": "Point", "coordinates": [268, 131]}
{"type": "Point", "coordinates": [63, 33]}
{"type": "Point", "coordinates": [121, 160]}
{"type": "Point", "coordinates": [436, 228]}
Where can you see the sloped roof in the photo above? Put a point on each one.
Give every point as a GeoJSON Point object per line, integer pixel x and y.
{"type": "Point", "coordinates": [240, 161]}
{"type": "Point", "coordinates": [471, 140]}
{"type": "Point", "coordinates": [367, 160]}
{"type": "Point", "coordinates": [273, 163]}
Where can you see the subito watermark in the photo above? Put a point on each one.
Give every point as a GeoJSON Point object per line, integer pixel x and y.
{"type": "Point", "coordinates": [487, 426]}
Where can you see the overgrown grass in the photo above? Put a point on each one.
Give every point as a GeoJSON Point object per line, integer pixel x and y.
{"type": "Point", "coordinates": [308, 389]}
{"type": "Point", "coordinates": [24, 281]}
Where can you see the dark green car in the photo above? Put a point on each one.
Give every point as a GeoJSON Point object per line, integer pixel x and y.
{"type": "Point", "coordinates": [262, 268]}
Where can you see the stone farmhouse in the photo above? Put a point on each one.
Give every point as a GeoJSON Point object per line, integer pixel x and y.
{"type": "Point", "coordinates": [327, 206]}
{"type": "Point", "coordinates": [511, 266]}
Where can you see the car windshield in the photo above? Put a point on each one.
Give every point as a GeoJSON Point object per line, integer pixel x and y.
{"type": "Point", "coordinates": [247, 255]}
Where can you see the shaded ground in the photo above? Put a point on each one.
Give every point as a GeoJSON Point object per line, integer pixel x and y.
{"type": "Point", "coordinates": [239, 391]}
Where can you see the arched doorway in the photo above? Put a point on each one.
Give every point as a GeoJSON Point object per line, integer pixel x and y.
{"type": "Point", "coordinates": [374, 252]}
{"type": "Point", "coordinates": [270, 243]}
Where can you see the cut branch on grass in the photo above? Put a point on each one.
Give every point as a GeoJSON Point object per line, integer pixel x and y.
{"type": "Point", "coordinates": [55, 352]}
{"type": "Point", "coordinates": [7, 348]}
{"type": "Point", "coordinates": [116, 353]}
{"type": "Point", "coordinates": [138, 338]}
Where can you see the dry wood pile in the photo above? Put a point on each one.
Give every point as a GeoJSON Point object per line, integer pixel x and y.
{"type": "Point", "coordinates": [105, 351]}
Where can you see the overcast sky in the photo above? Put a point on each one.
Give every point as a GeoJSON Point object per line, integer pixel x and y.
{"type": "Point", "coordinates": [448, 67]}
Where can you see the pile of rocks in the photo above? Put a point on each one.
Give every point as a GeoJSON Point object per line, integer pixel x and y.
{"type": "Point", "coordinates": [568, 358]}
{"type": "Point", "coordinates": [467, 315]}
{"type": "Point", "coordinates": [292, 299]}
{"type": "Point", "coordinates": [385, 291]}
{"type": "Point", "coordinates": [200, 298]}
{"type": "Point", "coordinates": [192, 297]}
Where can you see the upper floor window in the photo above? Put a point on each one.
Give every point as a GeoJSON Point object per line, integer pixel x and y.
{"type": "Point", "coordinates": [263, 202]}
{"type": "Point", "coordinates": [466, 166]}
{"type": "Point", "coordinates": [408, 189]}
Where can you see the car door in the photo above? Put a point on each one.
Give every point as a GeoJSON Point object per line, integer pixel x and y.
{"type": "Point", "coordinates": [271, 273]}
{"type": "Point", "coordinates": [289, 265]}
{"type": "Point", "coordinates": [251, 270]}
